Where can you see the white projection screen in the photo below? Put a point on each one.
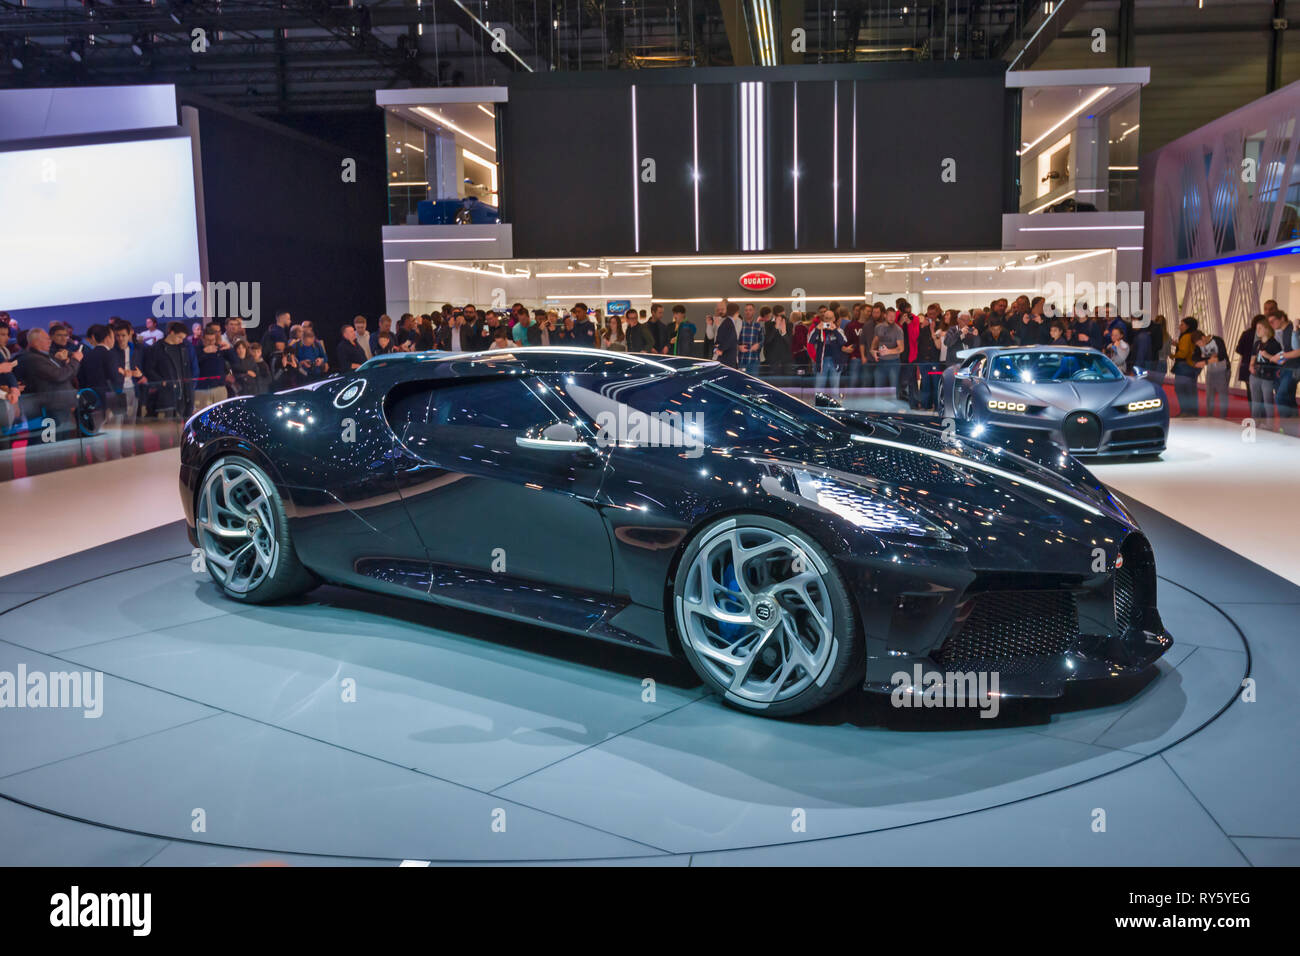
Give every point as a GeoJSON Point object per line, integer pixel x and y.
{"type": "Point", "coordinates": [97, 222]}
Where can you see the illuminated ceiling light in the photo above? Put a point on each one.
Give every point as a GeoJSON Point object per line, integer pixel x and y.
{"type": "Point", "coordinates": [442, 120]}
{"type": "Point", "coordinates": [1051, 202]}
{"type": "Point", "coordinates": [1060, 262]}
{"type": "Point", "coordinates": [1067, 117]}
{"type": "Point", "coordinates": [456, 268]}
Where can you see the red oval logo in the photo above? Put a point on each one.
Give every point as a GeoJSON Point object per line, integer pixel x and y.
{"type": "Point", "coordinates": [757, 281]}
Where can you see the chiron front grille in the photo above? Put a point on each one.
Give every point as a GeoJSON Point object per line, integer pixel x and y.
{"type": "Point", "coordinates": [1081, 430]}
{"type": "Point", "coordinates": [1011, 631]}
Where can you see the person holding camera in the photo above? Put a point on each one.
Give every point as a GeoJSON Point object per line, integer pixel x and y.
{"type": "Point", "coordinates": [826, 349]}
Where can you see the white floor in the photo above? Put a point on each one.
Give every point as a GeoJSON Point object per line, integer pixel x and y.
{"type": "Point", "coordinates": [60, 513]}
{"type": "Point", "coordinates": [1237, 488]}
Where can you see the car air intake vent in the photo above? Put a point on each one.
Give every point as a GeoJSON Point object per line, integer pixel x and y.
{"type": "Point", "coordinates": [1011, 631]}
{"type": "Point", "coordinates": [901, 467]}
{"type": "Point", "coordinates": [1125, 598]}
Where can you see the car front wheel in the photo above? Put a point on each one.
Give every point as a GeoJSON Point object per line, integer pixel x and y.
{"type": "Point", "coordinates": [244, 534]}
{"type": "Point", "coordinates": [764, 617]}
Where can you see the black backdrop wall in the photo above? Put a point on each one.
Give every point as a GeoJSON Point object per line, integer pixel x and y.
{"type": "Point", "coordinates": [279, 213]}
{"type": "Point", "coordinates": [869, 143]}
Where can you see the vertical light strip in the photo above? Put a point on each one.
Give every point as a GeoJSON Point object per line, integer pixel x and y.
{"type": "Point", "coordinates": [636, 181]}
{"type": "Point", "coordinates": [753, 168]}
{"type": "Point", "coordinates": [759, 167]}
{"type": "Point", "coordinates": [695, 146]}
{"type": "Point", "coordinates": [854, 160]}
{"type": "Point", "coordinates": [744, 166]}
{"type": "Point", "coordinates": [835, 165]}
{"type": "Point", "coordinates": [795, 140]}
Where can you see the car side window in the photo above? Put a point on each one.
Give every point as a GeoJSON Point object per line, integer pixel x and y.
{"type": "Point", "coordinates": [486, 411]}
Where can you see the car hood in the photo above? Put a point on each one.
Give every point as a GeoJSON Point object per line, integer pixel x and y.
{"type": "Point", "coordinates": [1009, 512]}
{"type": "Point", "coordinates": [1068, 396]}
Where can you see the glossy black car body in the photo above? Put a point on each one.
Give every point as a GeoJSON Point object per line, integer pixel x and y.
{"type": "Point", "coordinates": [419, 475]}
{"type": "Point", "coordinates": [1083, 402]}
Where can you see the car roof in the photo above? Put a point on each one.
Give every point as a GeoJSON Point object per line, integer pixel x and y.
{"type": "Point", "coordinates": [992, 350]}
{"type": "Point", "coordinates": [538, 359]}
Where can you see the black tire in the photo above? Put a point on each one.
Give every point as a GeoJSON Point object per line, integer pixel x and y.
{"type": "Point", "coordinates": [287, 577]}
{"type": "Point", "coordinates": [844, 664]}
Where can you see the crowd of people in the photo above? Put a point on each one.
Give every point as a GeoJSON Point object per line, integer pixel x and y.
{"type": "Point", "coordinates": [174, 369]}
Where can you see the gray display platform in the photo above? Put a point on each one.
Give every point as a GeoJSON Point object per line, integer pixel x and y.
{"type": "Point", "coordinates": [355, 728]}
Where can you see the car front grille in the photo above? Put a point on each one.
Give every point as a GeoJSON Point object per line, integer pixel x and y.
{"type": "Point", "coordinates": [1081, 430]}
{"type": "Point", "coordinates": [1011, 631]}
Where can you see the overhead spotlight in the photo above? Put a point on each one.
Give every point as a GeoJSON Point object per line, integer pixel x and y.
{"type": "Point", "coordinates": [76, 49]}
{"type": "Point", "coordinates": [138, 44]}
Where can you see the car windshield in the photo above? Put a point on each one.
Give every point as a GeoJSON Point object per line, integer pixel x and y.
{"type": "Point", "coordinates": [1045, 366]}
{"type": "Point", "coordinates": [716, 406]}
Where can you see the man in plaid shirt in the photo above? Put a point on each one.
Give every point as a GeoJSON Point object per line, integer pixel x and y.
{"type": "Point", "coordinates": [751, 342]}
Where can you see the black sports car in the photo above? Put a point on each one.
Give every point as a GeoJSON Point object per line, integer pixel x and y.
{"type": "Point", "coordinates": [1075, 397]}
{"type": "Point", "coordinates": [679, 506]}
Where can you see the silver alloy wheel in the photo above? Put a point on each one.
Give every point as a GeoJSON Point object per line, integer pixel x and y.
{"type": "Point", "coordinates": [757, 612]}
{"type": "Point", "coordinates": [236, 526]}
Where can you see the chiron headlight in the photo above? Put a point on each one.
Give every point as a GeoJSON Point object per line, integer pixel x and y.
{"type": "Point", "coordinates": [998, 405]}
{"type": "Point", "coordinates": [1145, 405]}
{"type": "Point", "coordinates": [866, 509]}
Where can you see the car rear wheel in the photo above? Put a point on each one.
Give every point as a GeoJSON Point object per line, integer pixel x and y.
{"type": "Point", "coordinates": [244, 534]}
{"type": "Point", "coordinates": [764, 617]}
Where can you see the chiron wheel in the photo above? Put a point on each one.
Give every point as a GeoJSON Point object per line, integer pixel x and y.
{"type": "Point", "coordinates": [244, 533]}
{"type": "Point", "coordinates": [764, 617]}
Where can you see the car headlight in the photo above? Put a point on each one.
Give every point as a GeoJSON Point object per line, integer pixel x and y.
{"type": "Point", "coordinates": [1145, 405]}
{"type": "Point", "coordinates": [1000, 406]}
{"type": "Point", "coordinates": [865, 509]}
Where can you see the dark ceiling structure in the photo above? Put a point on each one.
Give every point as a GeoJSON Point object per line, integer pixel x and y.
{"type": "Point", "coordinates": [280, 56]}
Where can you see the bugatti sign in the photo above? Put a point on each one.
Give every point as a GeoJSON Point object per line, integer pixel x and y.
{"type": "Point", "coordinates": [757, 281]}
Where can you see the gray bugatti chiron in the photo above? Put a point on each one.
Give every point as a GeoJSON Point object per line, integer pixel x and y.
{"type": "Point", "coordinates": [1075, 397]}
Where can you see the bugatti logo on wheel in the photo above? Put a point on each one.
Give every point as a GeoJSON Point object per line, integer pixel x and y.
{"type": "Point", "coordinates": [757, 281]}
{"type": "Point", "coordinates": [764, 612]}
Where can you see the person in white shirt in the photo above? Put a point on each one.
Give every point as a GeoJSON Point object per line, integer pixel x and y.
{"type": "Point", "coordinates": [1118, 349]}
{"type": "Point", "coordinates": [363, 337]}
{"type": "Point", "coordinates": [151, 333]}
